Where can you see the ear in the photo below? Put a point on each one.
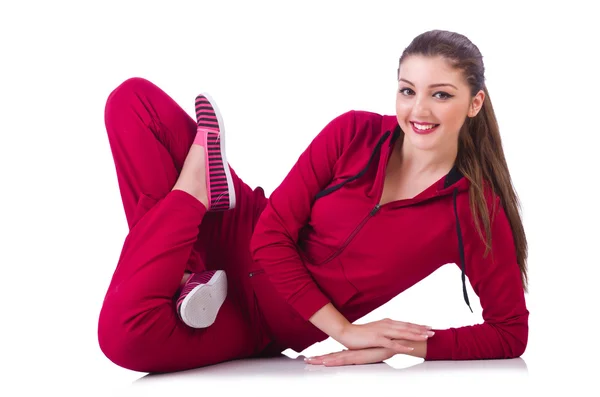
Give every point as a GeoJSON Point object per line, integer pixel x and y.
{"type": "Point", "coordinates": [476, 104]}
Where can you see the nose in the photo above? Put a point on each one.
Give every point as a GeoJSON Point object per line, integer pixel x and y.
{"type": "Point", "coordinates": [421, 107]}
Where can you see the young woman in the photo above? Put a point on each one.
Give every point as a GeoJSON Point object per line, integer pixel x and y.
{"type": "Point", "coordinates": [212, 270]}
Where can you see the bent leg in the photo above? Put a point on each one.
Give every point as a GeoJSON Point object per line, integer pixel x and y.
{"type": "Point", "coordinates": [150, 136]}
{"type": "Point", "coordinates": [138, 327]}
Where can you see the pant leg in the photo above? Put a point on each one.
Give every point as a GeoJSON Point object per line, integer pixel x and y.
{"type": "Point", "coordinates": [150, 136]}
{"type": "Point", "coordinates": [138, 327]}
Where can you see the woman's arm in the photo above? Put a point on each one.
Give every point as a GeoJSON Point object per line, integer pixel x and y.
{"type": "Point", "coordinates": [329, 320]}
{"type": "Point", "coordinates": [396, 336]}
{"type": "Point", "coordinates": [273, 245]}
{"type": "Point", "coordinates": [496, 279]}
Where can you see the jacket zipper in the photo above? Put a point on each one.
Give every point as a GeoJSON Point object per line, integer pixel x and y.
{"type": "Point", "coordinates": [348, 240]}
{"type": "Point", "coordinates": [353, 234]}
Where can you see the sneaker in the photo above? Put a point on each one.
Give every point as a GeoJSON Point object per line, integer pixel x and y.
{"type": "Point", "coordinates": [211, 135]}
{"type": "Point", "coordinates": [201, 298]}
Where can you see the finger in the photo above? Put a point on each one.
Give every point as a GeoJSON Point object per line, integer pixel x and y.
{"type": "Point", "coordinates": [313, 360]}
{"type": "Point", "coordinates": [341, 359]}
{"type": "Point", "coordinates": [402, 326]}
{"type": "Point", "coordinates": [322, 356]}
{"type": "Point", "coordinates": [318, 360]}
{"type": "Point", "coordinates": [406, 325]}
{"type": "Point", "coordinates": [336, 363]}
{"type": "Point", "coordinates": [396, 346]}
{"type": "Point", "coordinates": [408, 335]}
{"type": "Point", "coordinates": [403, 330]}
{"type": "Point", "coordinates": [419, 326]}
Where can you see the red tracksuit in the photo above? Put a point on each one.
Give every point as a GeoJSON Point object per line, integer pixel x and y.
{"type": "Point", "coordinates": [320, 237]}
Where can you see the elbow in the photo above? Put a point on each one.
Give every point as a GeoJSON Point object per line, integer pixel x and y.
{"type": "Point", "coordinates": [518, 347]}
{"type": "Point", "coordinates": [514, 339]}
{"type": "Point", "coordinates": [521, 336]}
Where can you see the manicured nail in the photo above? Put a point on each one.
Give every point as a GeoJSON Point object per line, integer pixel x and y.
{"type": "Point", "coordinates": [430, 333]}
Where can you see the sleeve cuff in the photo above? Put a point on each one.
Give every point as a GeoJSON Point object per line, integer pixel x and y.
{"type": "Point", "coordinates": [440, 346]}
{"type": "Point", "coordinates": [309, 301]}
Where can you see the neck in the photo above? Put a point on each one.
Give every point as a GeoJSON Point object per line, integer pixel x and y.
{"type": "Point", "coordinates": [426, 162]}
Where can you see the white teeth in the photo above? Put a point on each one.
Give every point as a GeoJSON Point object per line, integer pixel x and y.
{"type": "Point", "coordinates": [424, 127]}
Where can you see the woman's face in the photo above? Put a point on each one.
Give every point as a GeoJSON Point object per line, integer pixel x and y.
{"type": "Point", "coordinates": [432, 103]}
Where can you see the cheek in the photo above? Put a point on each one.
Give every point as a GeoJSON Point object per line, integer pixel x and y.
{"type": "Point", "coordinates": [402, 109]}
{"type": "Point", "coordinates": [454, 117]}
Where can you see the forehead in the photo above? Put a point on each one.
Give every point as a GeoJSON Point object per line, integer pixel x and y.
{"type": "Point", "coordinates": [424, 70]}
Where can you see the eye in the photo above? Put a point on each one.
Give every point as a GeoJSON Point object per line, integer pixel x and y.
{"type": "Point", "coordinates": [406, 91]}
{"type": "Point", "coordinates": [442, 95]}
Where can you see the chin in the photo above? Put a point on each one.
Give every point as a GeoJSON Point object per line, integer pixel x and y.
{"type": "Point", "coordinates": [422, 142]}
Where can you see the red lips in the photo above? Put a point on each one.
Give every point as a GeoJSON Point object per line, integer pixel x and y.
{"type": "Point", "coordinates": [423, 132]}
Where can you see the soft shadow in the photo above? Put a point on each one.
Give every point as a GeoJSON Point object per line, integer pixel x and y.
{"type": "Point", "coordinates": [284, 366]}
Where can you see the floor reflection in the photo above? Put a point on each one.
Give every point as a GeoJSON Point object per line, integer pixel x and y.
{"type": "Point", "coordinates": [285, 366]}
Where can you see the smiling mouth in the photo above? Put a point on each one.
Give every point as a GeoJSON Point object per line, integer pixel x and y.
{"type": "Point", "coordinates": [423, 128]}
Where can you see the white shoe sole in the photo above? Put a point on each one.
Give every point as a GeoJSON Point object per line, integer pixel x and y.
{"type": "Point", "coordinates": [200, 307]}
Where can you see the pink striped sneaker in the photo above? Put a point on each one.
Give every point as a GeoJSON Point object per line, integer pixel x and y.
{"type": "Point", "coordinates": [201, 298]}
{"type": "Point", "coordinates": [211, 135]}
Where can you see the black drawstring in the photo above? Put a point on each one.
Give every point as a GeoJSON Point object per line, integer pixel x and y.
{"type": "Point", "coordinates": [453, 176]}
{"type": "Point", "coordinates": [461, 250]}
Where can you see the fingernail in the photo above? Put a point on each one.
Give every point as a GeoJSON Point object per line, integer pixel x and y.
{"type": "Point", "coordinates": [430, 333]}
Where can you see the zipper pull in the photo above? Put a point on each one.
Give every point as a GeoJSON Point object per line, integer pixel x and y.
{"type": "Point", "coordinates": [374, 210]}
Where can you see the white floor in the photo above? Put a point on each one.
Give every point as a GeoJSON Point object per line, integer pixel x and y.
{"type": "Point", "coordinates": [272, 376]}
{"type": "Point", "coordinates": [286, 376]}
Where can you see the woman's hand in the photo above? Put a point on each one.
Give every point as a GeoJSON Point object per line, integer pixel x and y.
{"type": "Point", "coordinates": [383, 333]}
{"type": "Point", "coordinates": [352, 357]}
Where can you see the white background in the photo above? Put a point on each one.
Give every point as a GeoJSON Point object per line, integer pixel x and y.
{"type": "Point", "coordinates": [279, 72]}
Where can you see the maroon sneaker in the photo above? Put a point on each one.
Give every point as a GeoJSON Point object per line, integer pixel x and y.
{"type": "Point", "coordinates": [211, 135]}
{"type": "Point", "coordinates": [201, 298]}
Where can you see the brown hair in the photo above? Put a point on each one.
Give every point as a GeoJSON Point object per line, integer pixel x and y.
{"type": "Point", "coordinates": [480, 155]}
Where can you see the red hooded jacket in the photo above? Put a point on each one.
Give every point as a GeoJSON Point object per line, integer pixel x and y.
{"type": "Point", "coordinates": [323, 237]}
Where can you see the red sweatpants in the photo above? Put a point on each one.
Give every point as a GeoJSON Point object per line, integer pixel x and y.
{"type": "Point", "coordinates": [169, 232]}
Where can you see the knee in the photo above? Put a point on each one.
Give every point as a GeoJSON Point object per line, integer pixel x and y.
{"type": "Point", "coordinates": [113, 337]}
{"type": "Point", "coordinates": [126, 95]}
{"type": "Point", "coordinates": [124, 342]}
{"type": "Point", "coordinates": [129, 87]}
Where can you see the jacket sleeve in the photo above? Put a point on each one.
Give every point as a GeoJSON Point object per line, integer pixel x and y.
{"type": "Point", "coordinates": [496, 279]}
{"type": "Point", "coordinates": [273, 244]}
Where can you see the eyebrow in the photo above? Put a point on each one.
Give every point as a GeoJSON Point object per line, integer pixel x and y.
{"type": "Point", "coordinates": [432, 85]}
